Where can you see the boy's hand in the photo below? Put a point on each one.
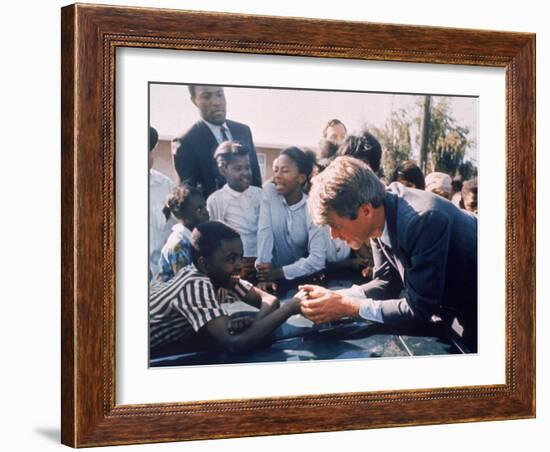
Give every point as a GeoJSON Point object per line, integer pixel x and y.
{"type": "Point", "coordinates": [297, 300]}
{"type": "Point", "coordinates": [235, 326]}
{"type": "Point", "coordinates": [296, 304]}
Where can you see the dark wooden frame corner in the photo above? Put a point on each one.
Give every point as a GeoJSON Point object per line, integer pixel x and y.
{"type": "Point", "coordinates": [90, 36]}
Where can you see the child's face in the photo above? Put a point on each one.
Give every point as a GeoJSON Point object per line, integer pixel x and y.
{"type": "Point", "coordinates": [224, 266]}
{"type": "Point", "coordinates": [195, 211]}
{"type": "Point", "coordinates": [237, 173]}
{"type": "Point", "coordinates": [286, 177]}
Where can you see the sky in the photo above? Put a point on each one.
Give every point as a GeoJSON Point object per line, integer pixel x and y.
{"type": "Point", "coordinates": [285, 117]}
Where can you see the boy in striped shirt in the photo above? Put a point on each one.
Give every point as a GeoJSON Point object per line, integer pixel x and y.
{"type": "Point", "coordinates": [188, 307]}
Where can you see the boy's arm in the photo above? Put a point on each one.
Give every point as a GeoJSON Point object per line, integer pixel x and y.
{"type": "Point", "coordinates": [265, 302]}
{"type": "Point", "coordinates": [252, 336]}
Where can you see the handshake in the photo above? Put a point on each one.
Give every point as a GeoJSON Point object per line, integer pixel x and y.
{"type": "Point", "coordinates": [321, 305]}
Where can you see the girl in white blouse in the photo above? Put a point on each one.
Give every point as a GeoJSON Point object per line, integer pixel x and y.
{"type": "Point", "coordinates": [237, 203]}
{"type": "Point", "coordinates": [290, 245]}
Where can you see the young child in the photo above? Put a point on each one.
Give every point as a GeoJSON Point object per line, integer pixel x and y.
{"type": "Point", "coordinates": [290, 245]}
{"type": "Point", "coordinates": [189, 307]}
{"type": "Point", "coordinates": [237, 203]}
{"type": "Point", "coordinates": [187, 205]}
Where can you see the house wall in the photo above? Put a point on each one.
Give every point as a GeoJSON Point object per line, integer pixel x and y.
{"type": "Point", "coordinates": [164, 161]}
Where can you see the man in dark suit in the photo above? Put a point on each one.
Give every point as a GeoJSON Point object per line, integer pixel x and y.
{"type": "Point", "coordinates": [424, 249]}
{"type": "Point", "coordinates": [194, 160]}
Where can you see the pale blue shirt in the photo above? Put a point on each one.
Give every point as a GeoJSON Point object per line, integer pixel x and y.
{"type": "Point", "coordinates": [287, 237]}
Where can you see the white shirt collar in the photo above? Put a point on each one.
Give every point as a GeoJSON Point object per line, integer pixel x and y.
{"type": "Point", "coordinates": [298, 204]}
{"type": "Point", "coordinates": [179, 227]}
{"type": "Point", "coordinates": [217, 130]}
{"type": "Point", "coordinates": [234, 193]}
{"type": "Point", "coordinates": [385, 237]}
{"type": "Point", "coordinates": [215, 126]}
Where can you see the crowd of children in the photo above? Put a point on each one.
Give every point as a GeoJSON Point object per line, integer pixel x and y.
{"type": "Point", "coordinates": [254, 244]}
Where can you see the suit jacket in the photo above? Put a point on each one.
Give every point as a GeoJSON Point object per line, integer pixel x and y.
{"type": "Point", "coordinates": [432, 255]}
{"type": "Point", "coordinates": [194, 159]}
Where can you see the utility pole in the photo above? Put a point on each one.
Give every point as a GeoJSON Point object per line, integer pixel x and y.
{"type": "Point", "coordinates": [425, 134]}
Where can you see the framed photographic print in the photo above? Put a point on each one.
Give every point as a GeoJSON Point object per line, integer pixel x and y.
{"type": "Point", "coordinates": [198, 273]}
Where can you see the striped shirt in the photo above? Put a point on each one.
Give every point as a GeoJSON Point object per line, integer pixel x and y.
{"type": "Point", "coordinates": [179, 308]}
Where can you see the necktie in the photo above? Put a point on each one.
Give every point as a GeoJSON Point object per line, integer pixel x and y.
{"type": "Point", "coordinates": [225, 137]}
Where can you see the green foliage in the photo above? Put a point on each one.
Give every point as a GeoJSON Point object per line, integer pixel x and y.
{"type": "Point", "coordinates": [395, 139]}
{"type": "Point", "coordinates": [448, 141]}
{"type": "Point", "coordinates": [467, 170]}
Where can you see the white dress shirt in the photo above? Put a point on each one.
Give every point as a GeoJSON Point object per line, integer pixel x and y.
{"type": "Point", "coordinates": [217, 131]}
{"type": "Point", "coordinates": [240, 210]}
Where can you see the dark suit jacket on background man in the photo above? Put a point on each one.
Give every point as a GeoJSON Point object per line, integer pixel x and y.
{"type": "Point", "coordinates": [194, 159]}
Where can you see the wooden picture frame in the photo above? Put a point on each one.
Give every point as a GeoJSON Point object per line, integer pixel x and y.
{"type": "Point", "coordinates": [90, 37]}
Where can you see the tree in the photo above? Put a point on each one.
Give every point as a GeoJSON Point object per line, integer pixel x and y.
{"type": "Point", "coordinates": [447, 141]}
{"type": "Point", "coordinates": [467, 170]}
{"type": "Point", "coordinates": [443, 140]}
{"type": "Point", "coordinates": [395, 139]}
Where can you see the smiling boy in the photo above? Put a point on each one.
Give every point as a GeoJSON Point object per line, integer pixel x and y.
{"type": "Point", "coordinates": [190, 305]}
{"type": "Point", "coordinates": [238, 202]}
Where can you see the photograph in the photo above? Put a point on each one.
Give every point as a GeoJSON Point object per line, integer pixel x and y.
{"type": "Point", "coordinates": [292, 224]}
{"type": "Point", "coordinates": [270, 225]}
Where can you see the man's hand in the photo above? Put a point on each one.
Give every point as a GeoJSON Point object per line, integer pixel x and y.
{"type": "Point", "coordinates": [235, 326]}
{"type": "Point", "coordinates": [323, 305]}
{"type": "Point", "coordinates": [268, 273]}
